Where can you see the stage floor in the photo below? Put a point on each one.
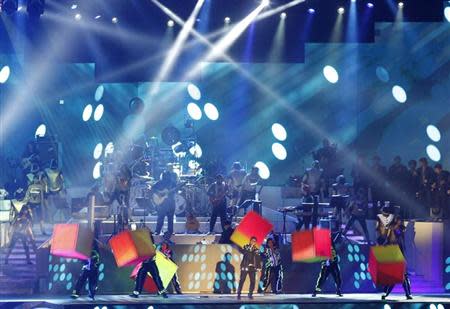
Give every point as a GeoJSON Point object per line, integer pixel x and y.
{"type": "Point", "coordinates": [230, 301]}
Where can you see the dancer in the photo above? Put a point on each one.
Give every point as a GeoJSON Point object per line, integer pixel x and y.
{"type": "Point", "coordinates": [148, 266]}
{"type": "Point", "coordinates": [273, 269]}
{"type": "Point", "coordinates": [330, 266]}
{"type": "Point", "coordinates": [249, 266]}
{"type": "Point", "coordinates": [390, 231]}
{"type": "Point", "coordinates": [89, 272]}
{"type": "Point", "coordinates": [22, 230]}
{"type": "Point", "coordinates": [165, 249]}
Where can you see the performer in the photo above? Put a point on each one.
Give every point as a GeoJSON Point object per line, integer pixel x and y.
{"type": "Point", "coordinates": [330, 266]}
{"type": "Point", "coordinates": [225, 237]}
{"type": "Point", "coordinates": [339, 198]}
{"type": "Point", "coordinates": [248, 188]}
{"type": "Point", "coordinates": [217, 196]}
{"type": "Point", "coordinates": [35, 198]}
{"type": "Point", "coordinates": [89, 272]}
{"type": "Point", "coordinates": [304, 218]}
{"type": "Point", "coordinates": [358, 209]}
{"type": "Point", "coordinates": [390, 231]}
{"type": "Point", "coordinates": [148, 266]}
{"type": "Point", "coordinates": [164, 199]}
{"type": "Point", "coordinates": [272, 273]}
{"type": "Point", "coordinates": [165, 249]}
{"type": "Point", "coordinates": [22, 230]}
{"type": "Point", "coordinates": [54, 186]}
{"type": "Point", "coordinates": [235, 180]}
{"type": "Point", "coordinates": [313, 177]}
{"type": "Point", "coordinates": [249, 266]}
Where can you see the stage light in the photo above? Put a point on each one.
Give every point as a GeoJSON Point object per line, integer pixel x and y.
{"type": "Point", "coordinates": [341, 10]}
{"type": "Point", "coordinates": [353, 1]}
{"type": "Point", "coordinates": [98, 17]}
{"type": "Point", "coordinates": [98, 113]}
{"type": "Point", "coordinates": [447, 13]}
{"type": "Point", "coordinates": [433, 133]}
{"type": "Point", "coordinates": [265, 2]}
{"type": "Point", "coordinates": [9, 6]}
{"type": "Point", "coordinates": [5, 72]}
{"type": "Point", "coordinates": [74, 6]}
{"type": "Point", "coordinates": [109, 149]}
{"type": "Point", "coordinates": [279, 132]}
{"type": "Point", "coordinates": [382, 74]}
{"type": "Point", "coordinates": [227, 20]}
{"type": "Point", "coordinates": [370, 5]}
{"type": "Point", "coordinates": [279, 151]}
{"type": "Point", "coordinates": [440, 306]}
{"type": "Point", "coordinates": [433, 153]}
{"type": "Point", "coordinates": [401, 4]}
{"type": "Point", "coordinates": [283, 15]}
{"type": "Point", "coordinates": [432, 306]}
{"type": "Point", "coordinates": [194, 111]}
{"type": "Point", "coordinates": [40, 131]}
{"type": "Point", "coordinates": [77, 16]}
{"type": "Point", "coordinates": [20, 8]}
{"type": "Point", "coordinates": [263, 170]}
{"type": "Point", "coordinates": [399, 94]}
{"type": "Point", "coordinates": [194, 92]}
{"type": "Point", "coordinates": [99, 93]}
{"type": "Point", "coordinates": [211, 111]}
{"type": "Point", "coordinates": [35, 8]}
{"type": "Point", "coordinates": [387, 306]}
{"type": "Point", "coordinates": [196, 151]}
{"type": "Point", "coordinates": [98, 150]}
{"type": "Point", "coordinates": [170, 23]}
{"type": "Point", "coordinates": [114, 20]}
{"type": "Point", "coordinates": [311, 11]}
{"type": "Point", "coordinates": [331, 74]}
{"type": "Point", "coordinates": [87, 112]}
{"type": "Point", "coordinates": [96, 172]}
{"type": "Point", "coordinates": [61, 102]}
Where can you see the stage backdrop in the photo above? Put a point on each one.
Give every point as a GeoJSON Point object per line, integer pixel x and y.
{"type": "Point", "coordinates": [358, 111]}
{"type": "Point", "coordinates": [208, 269]}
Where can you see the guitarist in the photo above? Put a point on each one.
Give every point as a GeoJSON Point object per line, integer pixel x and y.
{"type": "Point", "coordinates": [217, 193]}
{"type": "Point", "coordinates": [165, 187]}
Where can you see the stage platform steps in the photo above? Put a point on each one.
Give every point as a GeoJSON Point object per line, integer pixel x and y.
{"type": "Point", "coordinates": [18, 277]}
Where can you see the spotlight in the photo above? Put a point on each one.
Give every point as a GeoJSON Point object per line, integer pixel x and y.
{"type": "Point", "coordinates": [114, 20]}
{"type": "Point", "coordinates": [9, 6]}
{"type": "Point", "coordinates": [35, 8]}
{"type": "Point", "coordinates": [170, 23]}
{"type": "Point", "coordinates": [400, 4]}
{"type": "Point", "coordinates": [283, 15]}
{"type": "Point", "coordinates": [78, 16]}
{"type": "Point", "coordinates": [265, 2]}
{"type": "Point", "coordinates": [20, 8]}
{"type": "Point", "coordinates": [341, 10]}
{"type": "Point", "coordinates": [353, 1]}
{"type": "Point", "coordinates": [227, 20]}
{"type": "Point", "coordinates": [74, 6]}
{"type": "Point", "coordinates": [311, 11]}
{"type": "Point", "coordinates": [370, 5]}
{"type": "Point", "coordinates": [98, 17]}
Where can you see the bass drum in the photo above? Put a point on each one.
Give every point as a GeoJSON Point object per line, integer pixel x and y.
{"type": "Point", "coordinates": [180, 205]}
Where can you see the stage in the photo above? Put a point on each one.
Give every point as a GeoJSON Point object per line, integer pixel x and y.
{"type": "Point", "coordinates": [229, 301]}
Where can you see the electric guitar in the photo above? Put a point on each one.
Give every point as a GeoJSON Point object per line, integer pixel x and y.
{"type": "Point", "coordinates": [160, 196]}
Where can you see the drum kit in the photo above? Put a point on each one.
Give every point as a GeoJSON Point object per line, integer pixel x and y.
{"type": "Point", "coordinates": [149, 159]}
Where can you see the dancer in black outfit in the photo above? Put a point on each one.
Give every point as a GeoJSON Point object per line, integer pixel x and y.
{"type": "Point", "coordinates": [217, 193]}
{"type": "Point", "coordinates": [148, 266]}
{"type": "Point", "coordinates": [330, 266]}
{"type": "Point", "coordinates": [89, 272]}
{"type": "Point", "coordinates": [249, 266]}
{"type": "Point", "coordinates": [390, 231]}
